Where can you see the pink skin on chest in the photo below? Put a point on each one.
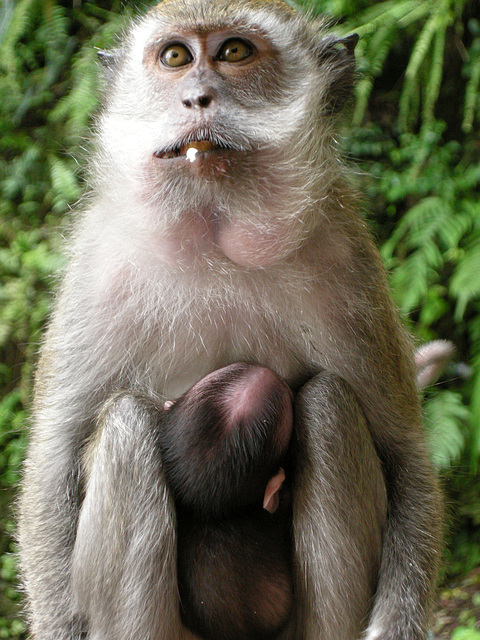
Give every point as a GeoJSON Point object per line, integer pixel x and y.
{"type": "Point", "coordinates": [204, 237]}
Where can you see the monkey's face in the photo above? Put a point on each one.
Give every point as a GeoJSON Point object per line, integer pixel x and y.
{"type": "Point", "coordinates": [208, 97]}
{"type": "Point", "coordinates": [222, 108]}
{"type": "Point", "coordinates": [212, 82]}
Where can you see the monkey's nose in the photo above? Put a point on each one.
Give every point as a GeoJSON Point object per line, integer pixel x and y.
{"type": "Point", "coordinates": [201, 100]}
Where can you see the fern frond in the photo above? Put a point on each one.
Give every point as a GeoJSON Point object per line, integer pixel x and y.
{"type": "Point", "coordinates": [445, 419]}
{"type": "Point", "coordinates": [55, 30]}
{"type": "Point", "coordinates": [64, 183]}
{"type": "Point", "coordinates": [419, 225]}
{"type": "Point", "coordinates": [17, 27]}
{"type": "Point", "coordinates": [453, 229]}
{"type": "Point", "coordinates": [465, 281]}
{"type": "Point", "coordinates": [419, 52]}
{"type": "Point", "coordinates": [472, 92]}
{"type": "Point", "coordinates": [417, 13]}
{"type": "Point", "coordinates": [377, 50]}
{"type": "Point", "coordinates": [469, 178]}
{"type": "Point", "coordinates": [18, 24]}
{"type": "Point", "coordinates": [432, 89]}
{"type": "Point", "coordinates": [428, 236]}
{"type": "Point", "coordinates": [374, 17]}
{"type": "Point", "coordinates": [434, 307]}
{"type": "Point", "coordinates": [475, 413]}
{"type": "Point", "coordinates": [6, 12]}
{"type": "Point", "coordinates": [79, 104]}
{"type": "Point", "coordinates": [414, 276]}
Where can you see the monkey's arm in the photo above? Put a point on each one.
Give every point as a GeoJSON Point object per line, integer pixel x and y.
{"type": "Point", "coordinates": [340, 515]}
{"type": "Point", "coordinates": [124, 561]}
{"type": "Point", "coordinates": [411, 551]}
{"type": "Point", "coordinates": [122, 540]}
{"type": "Point", "coordinates": [49, 501]}
{"type": "Point", "coordinates": [384, 381]}
{"type": "Point", "coordinates": [339, 510]}
{"type": "Point", "coordinates": [369, 349]}
{"type": "Point", "coordinates": [413, 529]}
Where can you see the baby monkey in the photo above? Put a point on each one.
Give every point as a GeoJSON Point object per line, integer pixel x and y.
{"type": "Point", "coordinates": [223, 444]}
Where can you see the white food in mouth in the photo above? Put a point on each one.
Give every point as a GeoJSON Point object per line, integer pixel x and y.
{"type": "Point", "coordinates": [191, 154]}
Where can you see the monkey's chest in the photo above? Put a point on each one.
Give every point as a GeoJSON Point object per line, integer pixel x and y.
{"type": "Point", "coordinates": [178, 357]}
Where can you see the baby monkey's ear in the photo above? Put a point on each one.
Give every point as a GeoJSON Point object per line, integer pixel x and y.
{"type": "Point", "coordinates": [337, 57]}
{"type": "Point", "coordinates": [110, 61]}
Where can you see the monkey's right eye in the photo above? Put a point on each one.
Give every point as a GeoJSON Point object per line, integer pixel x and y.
{"type": "Point", "coordinates": [176, 55]}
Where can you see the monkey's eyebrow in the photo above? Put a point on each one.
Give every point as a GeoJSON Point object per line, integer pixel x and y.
{"type": "Point", "coordinates": [182, 32]}
{"type": "Point", "coordinates": [164, 39]}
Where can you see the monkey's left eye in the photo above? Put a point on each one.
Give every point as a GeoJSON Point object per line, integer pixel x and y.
{"type": "Point", "coordinates": [234, 50]}
{"type": "Point", "coordinates": [176, 55]}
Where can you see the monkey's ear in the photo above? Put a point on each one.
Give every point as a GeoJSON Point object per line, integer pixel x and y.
{"type": "Point", "coordinates": [350, 42]}
{"type": "Point", "coordinates": [109, 60]}
{"type": "Point", "coordinates": [337, 57]}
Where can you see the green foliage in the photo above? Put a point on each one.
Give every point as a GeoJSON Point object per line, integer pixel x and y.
{"type": "Point", "coordinates": [445, 418]}
{"type": "Point", "coordinates": [429, 26]}
{"type": "Point", "coordinates": [465, 633]}
{"type": "Point", "coordinates": [472, 72]}
{"type": "Point", "coordinates": [415, 141]}
{"type": "Point", "coordinates": [428, 216]}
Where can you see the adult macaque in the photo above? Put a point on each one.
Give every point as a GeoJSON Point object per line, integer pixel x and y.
{"type": "Point", "coordinates": [221, 228]}
{"type": "Point", "coordinates": [222, 445]}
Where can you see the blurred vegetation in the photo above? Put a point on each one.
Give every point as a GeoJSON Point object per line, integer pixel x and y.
{"type": "Point", "coordinates": [415, 148]}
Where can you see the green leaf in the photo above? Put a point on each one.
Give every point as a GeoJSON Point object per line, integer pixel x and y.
{"type": "Point", "coordinates": [465, 281]}
{"type": "Point", "coordinates": [445, 419]}
{"type": "Point", "coordinates": [465, 633]}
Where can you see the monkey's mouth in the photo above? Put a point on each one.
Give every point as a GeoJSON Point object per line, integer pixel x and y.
{"type": "Point", "coordinates": [200, 144]}
{"type": "Point", "coordinates": [190, 150]}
